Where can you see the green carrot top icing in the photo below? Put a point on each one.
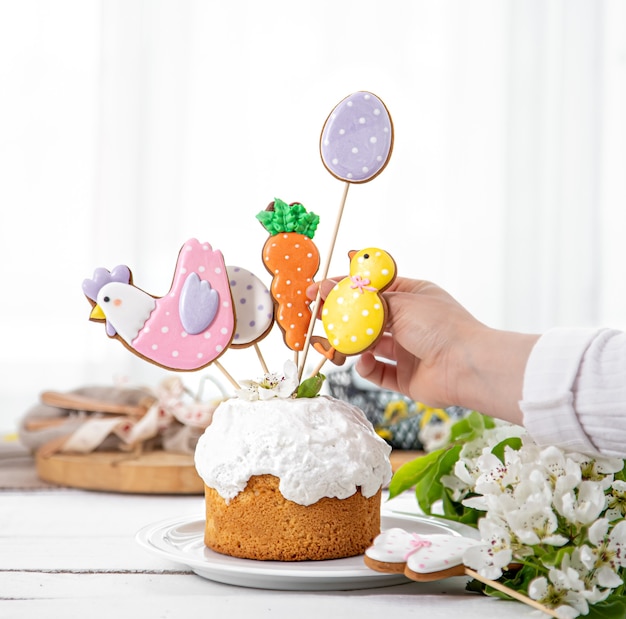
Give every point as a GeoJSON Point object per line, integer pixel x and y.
{"type": "Point", "coordinates": [282, 217]}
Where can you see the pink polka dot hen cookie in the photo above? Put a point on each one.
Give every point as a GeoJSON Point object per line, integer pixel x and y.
{"type": "Point", "coordinates": [186, 329]}
{"type": "Point", "coordinates": [292, 258]}
{"type": "Point", "coordinates": [354, 312]}
{"type": "Point", "coordinates": [419, 557]}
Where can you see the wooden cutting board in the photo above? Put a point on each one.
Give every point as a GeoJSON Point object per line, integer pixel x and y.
{"type": "Point", "coordinates": [156, 472]}
{"type": "Point", "coordinates": [399, 457]}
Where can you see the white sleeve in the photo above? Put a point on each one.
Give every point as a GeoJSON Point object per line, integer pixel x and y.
{"type": "Point", "coordinates": [574, 393]}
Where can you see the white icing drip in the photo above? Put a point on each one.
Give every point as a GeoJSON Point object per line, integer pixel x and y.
{"type": "Point", "coordinates": [317, 447]}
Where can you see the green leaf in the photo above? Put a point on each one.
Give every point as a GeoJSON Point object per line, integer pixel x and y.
{"type": "Point", "coordinates": [410, 473]}
{"type": "Point", "coordinates": [513, 442]}
{"type": "Point", "coordinates": [517, 580]}
{"type": "Point", "coordinates": [470, 427]}
{"type": "Point", "coordinates": [554, 556]}
{"type": "Point", "coordinates": [310, 387]}
{"type": "Point", "coordinates": [622, 474]}
{"type": "Point", "coordinates": [470, 516]}
{"type": "Point", "coordinates": [614, 607]}
{"type": "Point", "coordinates": [429, 489]}
{"type": "Point", "coordinates": [475, 586]}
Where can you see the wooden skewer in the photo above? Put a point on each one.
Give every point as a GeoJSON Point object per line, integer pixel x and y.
{"type": "Point", "coordinates": [329, 256]}
{"type": "Point", "coordinates": [456, 570]}
{"type": "Point", "coordinates": [230, 379]}
{"type": "Point", "coordinates": [318, 368]}
{"type": "Point", "coordinates": [511, 592]}
{"type": "Point", "coordinates": [261, 359]}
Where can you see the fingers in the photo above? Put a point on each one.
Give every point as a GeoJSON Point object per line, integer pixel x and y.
{"type": "Point", "coordinates": [384, 347]}
{"type": "Point", "coordinates": [400, 284]}
{"type": "Point", "coordinates": [325, 286]}
{"type": "Point", "coordinates": [382, 374]}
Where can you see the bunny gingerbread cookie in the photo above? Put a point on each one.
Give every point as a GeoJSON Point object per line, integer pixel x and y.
{"type": "Point", "coordinates": [419, 557]}
{"type": "Point", "coordinates": [426, 558]}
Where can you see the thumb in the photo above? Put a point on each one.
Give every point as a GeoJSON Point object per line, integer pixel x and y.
{"type": "Point", "coordinates": [325, 286]}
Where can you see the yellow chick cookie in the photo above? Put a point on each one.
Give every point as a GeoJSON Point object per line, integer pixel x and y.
{"type": "Point", "coordinates": [354, 312]}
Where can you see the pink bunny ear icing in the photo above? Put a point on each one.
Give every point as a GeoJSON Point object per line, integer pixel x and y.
{"type": "Point", "coordinates": [419, 557]}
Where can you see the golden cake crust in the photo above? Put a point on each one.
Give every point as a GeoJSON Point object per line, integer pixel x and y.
{"type": "Point", "coordinates": [259, 523]}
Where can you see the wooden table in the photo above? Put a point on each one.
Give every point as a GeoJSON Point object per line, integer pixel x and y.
{"type": "Point", "coordinates": [72, 553]}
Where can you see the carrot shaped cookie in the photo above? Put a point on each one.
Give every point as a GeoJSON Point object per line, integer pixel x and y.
{"type": "Point", "coordinates": [292, 258]}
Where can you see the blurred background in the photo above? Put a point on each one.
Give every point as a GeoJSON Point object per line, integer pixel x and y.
{"type": "Point", "coordinates": [129, 126]}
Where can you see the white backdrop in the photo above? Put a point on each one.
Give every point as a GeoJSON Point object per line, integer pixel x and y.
{"type": "Point", "coordinates": [127, 127]}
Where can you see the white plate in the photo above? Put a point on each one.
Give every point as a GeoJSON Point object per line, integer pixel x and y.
{"type": "Point", "coordinates": [181, 540]}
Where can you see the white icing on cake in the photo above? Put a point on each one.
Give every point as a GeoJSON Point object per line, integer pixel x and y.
{"type": "Point", "coordinates": [317, 447]}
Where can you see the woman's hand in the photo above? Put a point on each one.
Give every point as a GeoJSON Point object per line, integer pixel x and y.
{"type": "Point", "coordinates": [434, 351]}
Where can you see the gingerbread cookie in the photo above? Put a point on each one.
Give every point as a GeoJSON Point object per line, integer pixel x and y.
{"type": "Point", "coordinates": [357, 138]}
{"type": "Point", "coordinates": [186, 329]}
{"type": "Point", "coordinates": [420, 557]}
{"type": "Point", "coordinates": [254, 307]}
{"type": "Point", "coordinates": [425, 558]}
{"type": "Point", "coordinates": [292, 259]}
{"type": "Point", "coordinates": [354, 312]}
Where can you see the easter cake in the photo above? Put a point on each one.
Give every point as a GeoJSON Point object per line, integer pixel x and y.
{"type": "Point", "coordinates": [291, 479]}
{"type": "Point", "coordinates": [288, 474]}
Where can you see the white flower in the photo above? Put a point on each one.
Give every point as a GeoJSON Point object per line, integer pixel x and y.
{"type": "Point", "coordinates": [616, 501]}
{"type": "Point", "coordinates": [458, 487]}
{"type": "Point", "coordinates": [557, 464]}
{"type": "Point", "coordinates": [272, 385]}
{"type": "Point", "coordinates": [489, 439]}
{"type": "Point", "coordinates": [533, 486]}
{"type": "Point", "coordinates": [463, 473]}
{"type": "Point", "coordinates": [539, 497]}
{"type": "Point", "coordinates": [609, 553]}
{"type": "Point", "coordinates": [434, 436]}
{"type": "Point", "coordinates": [249, 390]}
{"type": "Point", "coordinates": [582, 560]}
{"type": "Point", "coordinates": [535, 523]}
{"type": "Point", "coordinates": [563, 592]}
{"type": "Point", "coordinates": [494, 554]}
{"type": "Point", "coordinates": [581, 505]}
{"type": "Point", "coordinates": [496, 477]}
{"type": "Point", "coordinates": [598, 469]}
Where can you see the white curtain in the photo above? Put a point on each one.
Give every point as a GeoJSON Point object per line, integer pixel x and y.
{"type": "Point", "coordinates": [127, 127]}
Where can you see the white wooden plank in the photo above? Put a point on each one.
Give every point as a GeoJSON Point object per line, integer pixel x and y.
{"type": "Point", "coordinates": [73, 554]}
{"type": "Point", "coordinates": [81, 553]}
{"type": "Point", "coordinates": [101, 596]}
{"type": "Point", "coordinates": [71, 513]}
